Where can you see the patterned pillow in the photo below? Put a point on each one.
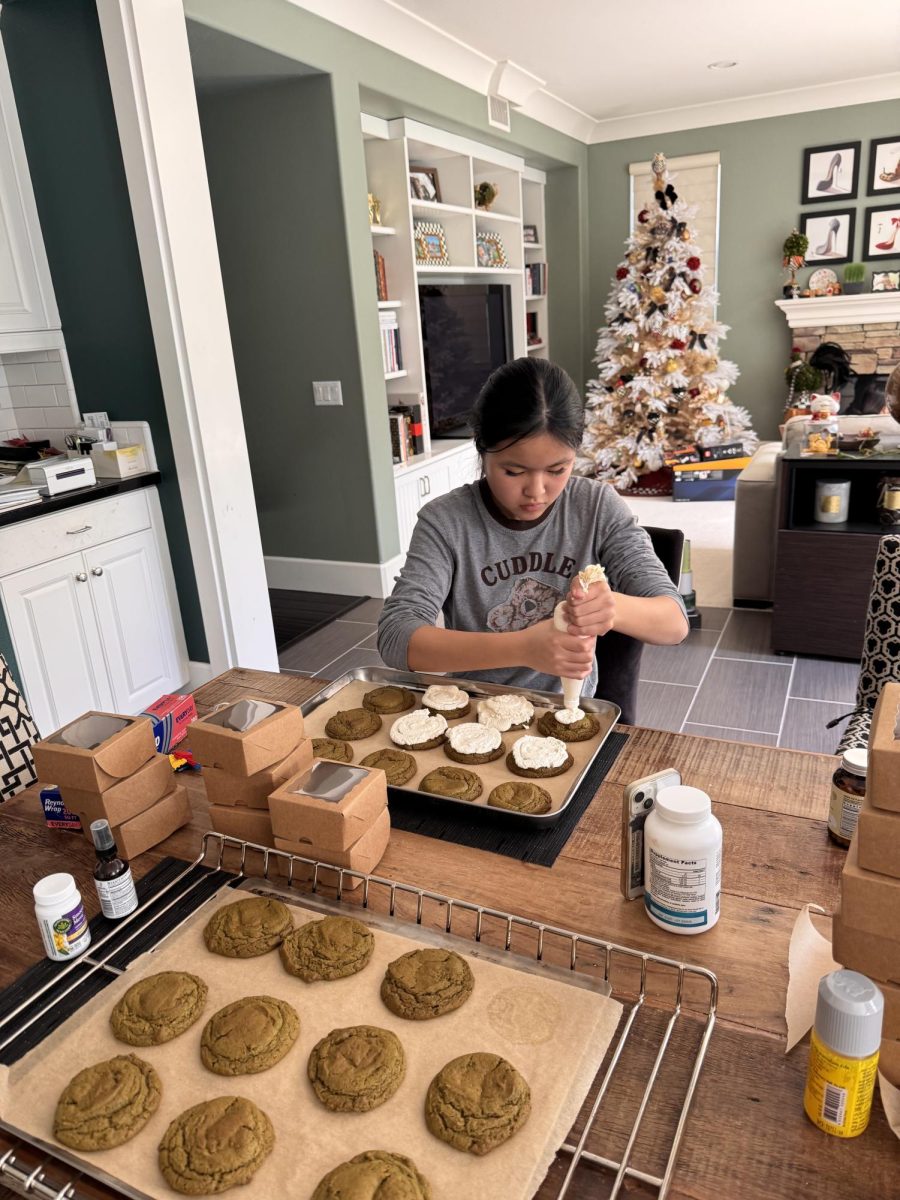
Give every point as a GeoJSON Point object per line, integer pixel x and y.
{"type": "Point", "coordinates": [17, 733]}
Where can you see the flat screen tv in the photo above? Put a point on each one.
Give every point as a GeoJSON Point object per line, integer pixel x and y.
{"type": "Point", "coordinates": [466, 334]}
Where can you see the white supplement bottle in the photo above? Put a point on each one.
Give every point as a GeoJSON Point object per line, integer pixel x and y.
{"type": "Point", "coordinates": [60, 917]}
{"type": "Point", "coordinates": [682, 861]}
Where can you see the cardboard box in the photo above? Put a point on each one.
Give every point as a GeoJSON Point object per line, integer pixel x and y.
{"type": "Point", "coordinates": [883, 776]}
{"type": "Point", "coordinates": [95, 762]}
{"type": "Point", "coordinates": [364, 855]}
{"type": "Point", "coordinates": [153, 825]}
{"type": "Point", "coordinates": [56, 815]}
{"type": "Point", "coordinates": [121, 463]}
{"type": "Point", "coordinates": [890, 1028]}
{"type": "Point", "coordinates": [869, 953]}
{"type": "Point", "coordinates": [252, 791]}
{"type": "Point", "coordinates": [889, 1061]}
{"type": "Point", "coordinates": [878, 840]}
{"type": "Point", "coordinates": [330, 805]}
{"type": "Point", "coordinates": [125, 799]}
{"type": "Point", "coordinates": [869, 901]}
{"type": "Point", "coordinates": [246, 736]}
{"type": "Point", "coordinates": [247, 824]}
{"type": "Point", "coordinates": [170, 716]}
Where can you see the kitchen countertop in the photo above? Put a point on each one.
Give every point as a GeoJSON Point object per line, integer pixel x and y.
{"type": "Point", "coordinates": [97, 491]}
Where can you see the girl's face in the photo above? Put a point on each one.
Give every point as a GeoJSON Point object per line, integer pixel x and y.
{"type": "Point", "coordinates": [527, 476]}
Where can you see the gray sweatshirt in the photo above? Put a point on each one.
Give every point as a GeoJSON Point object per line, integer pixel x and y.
{"type": "Point", "coordinates": [488, 573]}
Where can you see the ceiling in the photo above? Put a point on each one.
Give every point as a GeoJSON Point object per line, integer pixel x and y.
{"type": "Point", "coordinates": [606, 69]}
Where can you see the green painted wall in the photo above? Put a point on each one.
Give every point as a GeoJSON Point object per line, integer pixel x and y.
{"type": "Point", "coordinates": [762, 163]}
{"type": "Point", "coordinates": [59, 78]}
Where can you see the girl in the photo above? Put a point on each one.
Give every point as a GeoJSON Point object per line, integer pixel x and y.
{"type": "Point", "coordinates": [497, 556]}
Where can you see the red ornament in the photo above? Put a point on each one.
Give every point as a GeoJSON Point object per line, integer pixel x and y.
{"type": "Point", "coordinates": [643, 216]}
{"type": "Point", "coordinates": [695, 392]}
{"type": "Point", "coordinates": [677, 344]}
{"type": "Point", "coordinates": [695, 286]}
{"type": "Point", "coordinates": [642, 363]}
{"type": "Point", "coordinates": [694, 262]}
{"type": "Point", "coordinates": [622, 273]}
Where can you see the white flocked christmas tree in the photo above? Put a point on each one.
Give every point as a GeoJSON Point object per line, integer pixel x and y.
{"type": "Point", "coordinates": [660, 384]}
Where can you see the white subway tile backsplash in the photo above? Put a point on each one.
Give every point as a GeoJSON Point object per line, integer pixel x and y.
{"type": "Point", "coordinates": [17, 395]}
{"type": "Point", "coordinates": [29, 417]}
{"type": "Point", "coordinates": [51, 415]}
{"type": "Point", "coordinates": [40, 396]}
{"type": "Point", "coordinates": [5, 398]}
{"type": "Point", "coordinates": [63, 395]}
{"type": "Point", "coordinates": [49, 373]}
{"type": "Point", "coordinates": [21, 373]}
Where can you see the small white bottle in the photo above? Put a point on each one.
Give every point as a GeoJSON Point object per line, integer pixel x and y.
{"type": "Point", "coordinates": [682, 861]}
{"type": "Point", "coordinates": [60, 917]}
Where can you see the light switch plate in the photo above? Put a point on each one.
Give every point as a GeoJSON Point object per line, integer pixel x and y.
{"type": "Point", "coordinates": [327, 392]}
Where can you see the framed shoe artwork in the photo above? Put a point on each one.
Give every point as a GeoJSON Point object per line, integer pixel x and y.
{"type": "Point", "coordinates": [884, 166]}
{"type": "Point", "coordinates": [830, 235]}
{"type": "Point", "coordinates": [882, 234]}
{"type": "Point", "coordinates": [830, 172]}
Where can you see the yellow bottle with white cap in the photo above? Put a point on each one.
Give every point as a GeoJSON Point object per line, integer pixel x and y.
{"type": "Point", "coordinates": [843, 1054]}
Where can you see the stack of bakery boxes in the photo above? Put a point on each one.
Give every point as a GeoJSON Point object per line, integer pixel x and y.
{"type": "Point", "coordinates": [106, 767]}
{"type": "Point", "coordinates": [264, 786]}
{"type": "Point", "coordinates": [866, 934]}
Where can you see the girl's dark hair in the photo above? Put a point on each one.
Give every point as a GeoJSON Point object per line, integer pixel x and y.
{"type": "Point", "coordinates": [525, 397]}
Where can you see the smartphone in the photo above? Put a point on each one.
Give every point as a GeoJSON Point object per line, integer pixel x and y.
{"type": "Point", "coordinates": [637, 803]}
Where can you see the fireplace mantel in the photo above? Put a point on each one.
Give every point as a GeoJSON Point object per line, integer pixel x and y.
{"type": "Point", "coordinates": [811, 312]}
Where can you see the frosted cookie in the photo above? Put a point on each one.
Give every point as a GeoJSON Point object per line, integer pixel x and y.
{"type": "Point", "coordinates": [473, 743]}
{"type": "Point", "coordinates": [352, 724]}
{"type": "Point", "coordinates": [539, 757]}
{"type": "Point", "coordinates": [332, 749]}
{"type": "Point", "coordinates": [447, 700]}
{"type": "Point", "coordinates": [477, 1102]}
{"type": "Point", "coordinates": [398, 766]}
{"type": "Point", "coordinates": [389, 700]}
{"type": "Point", "coordinates": [569, 725]}
{"type": "Point", "coordinates": [427, 983]}
{"type": "Point", "coordinates": [505, 712]}
{"type": "Point", "coordinates": [107, 1103]}
{"type": "Point", "coordinates": [248, 1036]}
{"type": "Point", "coordinates": [215, 1146]}
{"type": "Point", "coordinates": [453, 782]}
{"type": "Point", "coordinates": [521, 797]}
{"type": "Point", "coordinates": [374, 1175]}
{"type": "Point", "coordinates": [158, 1008]}
{"type": "Point", "coordinates": [419, 730]}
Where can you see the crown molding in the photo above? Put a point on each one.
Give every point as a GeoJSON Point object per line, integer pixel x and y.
{"type": "Point", "coordinates": [812, 312]}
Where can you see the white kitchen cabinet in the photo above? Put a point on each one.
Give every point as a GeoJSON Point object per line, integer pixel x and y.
{"type": "Point", "coordinates": [440, 473]}
{"type": "Point", "coordinates": [96, 626]}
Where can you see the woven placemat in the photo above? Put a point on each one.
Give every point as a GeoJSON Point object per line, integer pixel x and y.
{"type": "Point", "coordinates": [485, 830]}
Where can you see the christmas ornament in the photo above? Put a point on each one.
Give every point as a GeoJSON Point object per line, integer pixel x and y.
{"type": "Point", "coordinates": [694, 263]}
{"type": "Point", "coordinates": [696, 286]}
{"type": "Point", "coordinates": [643, 216]}
{"type": "Point", "coordinates": [677, 344]}
{"type": "Point", "coordinates": [657, 295]}
{"type": "Point", "coordinates": [652, 417]}
{"type": "Point", "coordinates": [671, 366]}
{"type": "Point", "coordinates": [659, 165]}
{"type": "Point", "coordinates": [685, 234]}
{"type": "Point", "coordinates": [622, 273]}
{"type": "Point", "coordinates": [660, 228]}
{"type": "Point", "coordinates": [695, 392]}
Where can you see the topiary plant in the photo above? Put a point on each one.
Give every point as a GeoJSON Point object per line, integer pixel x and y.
{"type": "Point", "coordinates": [795, 246]}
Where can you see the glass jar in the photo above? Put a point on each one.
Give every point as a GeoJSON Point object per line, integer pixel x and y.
{"type": "Point", "coordinates": [889, 502]}
{"type": "Point", "coordinates": [848, 789]}
{"type": "Point", "coordinates": [822, 434]}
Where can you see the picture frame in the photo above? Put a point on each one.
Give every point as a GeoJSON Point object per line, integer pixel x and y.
{"type": "Point", "coordinates": [424, 184]}
{"type": "Point", "coordinates": [884, 166]}
{"type": "Point", "coordinates": [431, 244]}
{"type": "Point", "coordinates": [489, 249]}
{"type": "Point", "coordinates": [881, 238]}
{"type": "Point", "coordinates": [886, 281]}
{"type": "Point", "coordinates": [830, 235]}
{"type": "Point", "coordinates": [530, 235]}
{"type": "Point", "coordinates": [830, 173]}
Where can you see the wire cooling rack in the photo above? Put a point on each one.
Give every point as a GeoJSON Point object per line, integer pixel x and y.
{"type": "Point", "coordinates": [631, 1124]}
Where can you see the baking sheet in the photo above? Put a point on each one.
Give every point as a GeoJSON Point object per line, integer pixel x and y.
{"type": "Point", "coordinates": [554, 1033]}
{"type": "Point", "coordinates": [560, 787]}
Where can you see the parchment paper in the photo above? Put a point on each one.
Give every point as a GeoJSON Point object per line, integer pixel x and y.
{"type": "Point", "coordinates": [554, 1033]}
{"type": "Point", "coordinates": [490, 774]}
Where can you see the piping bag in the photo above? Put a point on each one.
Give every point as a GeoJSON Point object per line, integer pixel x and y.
{"type": "Point", "coordinates": [571, 688]}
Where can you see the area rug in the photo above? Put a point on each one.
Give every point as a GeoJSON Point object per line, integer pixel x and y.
{"type": "Point", "coordinates": [296, 615]}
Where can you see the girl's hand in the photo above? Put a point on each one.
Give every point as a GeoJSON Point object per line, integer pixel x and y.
{"type": "Point", "coordinates": [547, 650]}
{"type": "Point", "coordinates": [593, 614]}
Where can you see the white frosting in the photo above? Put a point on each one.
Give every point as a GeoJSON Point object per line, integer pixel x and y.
{"type": "Point", "coordinates": [502, 712]}
{"type": "Point", "coordinates": [568, 716]}
{"type": "Point", "coordinates": [442, 695]}
{"type": "Point", "coordinates": [417, 727]}
{"type": "Point", "coordinates": [532, 753]}
{"type": "Point", "coordinates": [470, 738]}
{"type": "Point", "coordinates": [592, 574]}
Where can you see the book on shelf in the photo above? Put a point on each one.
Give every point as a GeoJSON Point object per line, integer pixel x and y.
{"type": "Point", "coordinates": [536, 279]}
{"type": "Point", "coordinates": [412, 407]}
{"type": "Point", "coordinates": [390, 341]}
{"type": "Point", "coordinates": [380, 276]}
{"type": "Point", "coordinates": [399, 424]}
{"type": "Point", "coordinates": [532, 333]}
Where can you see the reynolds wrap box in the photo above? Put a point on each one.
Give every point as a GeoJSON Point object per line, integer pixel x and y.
{"type": "Point", "coordinates": [126, 799]}
{"type": "Point", "coordinates": [330, 805]}
{"type": "Point", "coordinates": [56, 814]}
{"type": "Point", "coordinates": [94, 751]}
{"type": "Point", "coordinates": [171, 716]}
{"type": "Point", "coordinates": [883, 776]}
{"type": "Point", "coordinates": [253, 791]}
{"type": "Point", "coordinates": [364, 855]}
{"type": "Point", "coordinates": [246, 736]}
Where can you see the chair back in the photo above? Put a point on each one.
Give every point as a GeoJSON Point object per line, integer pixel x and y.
{"type": "Point", "coordinates": [881, 642]}
{"type": "Point", "coordinates": [18, 733]}
{"type": "Point", "coordinates": [619, 656]}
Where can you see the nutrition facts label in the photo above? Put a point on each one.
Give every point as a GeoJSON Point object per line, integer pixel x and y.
{"type": "Point", "coordinates": [677, 889]}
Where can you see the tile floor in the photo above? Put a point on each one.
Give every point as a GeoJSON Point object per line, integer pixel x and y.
{"type": "Point", "coordinates": [722, 682]}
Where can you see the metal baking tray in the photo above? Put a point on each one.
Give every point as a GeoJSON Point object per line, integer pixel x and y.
{"type": "Point", "coordinates": [607, 712]}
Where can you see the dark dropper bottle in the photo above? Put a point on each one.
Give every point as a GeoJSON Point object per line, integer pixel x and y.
{"type": "Point", "coordinates": [112, 874]}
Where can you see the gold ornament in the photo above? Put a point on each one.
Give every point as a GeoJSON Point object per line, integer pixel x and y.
{"type": "Point", "coordinates": [671, 366]}
{"type": "Point", "coordinates": [637, 462]}
{"type": "Point", "coordinates": [657, 295]}
{"type": "Point", "coordinates": [685, 235]}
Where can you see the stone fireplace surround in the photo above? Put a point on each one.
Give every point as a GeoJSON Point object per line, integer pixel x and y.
{"type": "Point", "coordinates": [867, 326]}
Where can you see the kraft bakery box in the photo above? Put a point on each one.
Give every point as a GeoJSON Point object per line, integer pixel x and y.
{"type": "Point", "coordinates": [246, 736]}
{"type": "Point", "coordinates": [252, 791]}
{"type": "Point", "coordinates": [869, 953]}
{"type": "Point", "coordinates": [125, 799]}
{"type": "Point", "coordinates": [890, 1025]}
{"type": "Point", "coordinates": [883, 775]}
{"type": "Point", "coordinates": [364, 855]}
{"type": "Point", "coordinates": [331, 804]}
{"type": "Point", "coordinates": [94, 751]}
{"type": "Point", "coordinates": [889, 1061]}
{"type": "Point", "coordinates": [152, 826]}
{"type": "Point", "coordinates": [869, 901]}
{"type": "Point", "coordinates": [246, 824]}
{"type": "Point", "coordinates": [878, 840]}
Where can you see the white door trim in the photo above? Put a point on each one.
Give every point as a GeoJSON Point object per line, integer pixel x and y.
{"type": "Point", "coordinates": [146, 48]}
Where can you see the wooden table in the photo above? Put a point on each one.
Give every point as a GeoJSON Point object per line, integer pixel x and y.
{"type": "Point", "coordinates": [747, 1137]}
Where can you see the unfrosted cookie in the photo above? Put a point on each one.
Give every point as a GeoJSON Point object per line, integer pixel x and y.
{"type": "Point", "coordinates": [446, 700]}
{"type": "Point", "coordinates": [508, 711]}
{"type": "Point", "coordinates": [158, 1008]}
{"type": "Point", "coordinates": [353, 724]}
{"type": "Point", "coordinates": [332, 948]}
{"type": "Point", "coordinates": [215, 1146]}
{"type": "Point", "coordinates": [389, 700]}
{"type": "Point", "coordinates": [539, 757]}
{"type": "Point", "coordinates": [427, 983]}
{"type": "Point", "coordinates": [585, 727]}
{"type": "Point", "coordinates": [521, 797]}
{"type": "Point", "coordinates": [473, 743]}
{"type": "Point", "coordinates": [398, 766]}
{"type": "Point", "coordinates": [454, 782]}
{"type": "Point", "coordinates": [248, 1036]}
{"type": "Point", "coordinates": [107, 1103]}
{"type": "Point", "coordinates": [374, 1175]}
{"type": "Point", "coordinates": [332, 749]}
{"type": "Point", "coordinates": [248, 927]}
{"type": "Point", "coordinates": [477, 1102]}
{"type": "Point", "coordinates": [356, 1069]}
{"type": "Point", "coordinates": [419, 730]}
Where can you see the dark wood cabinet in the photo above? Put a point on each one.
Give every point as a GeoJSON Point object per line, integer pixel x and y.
{"type": "Point", "coordinates": [823, 573]}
